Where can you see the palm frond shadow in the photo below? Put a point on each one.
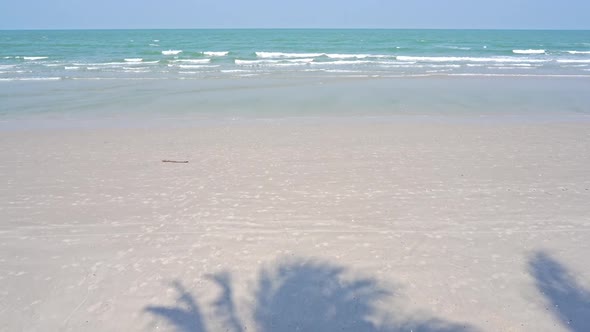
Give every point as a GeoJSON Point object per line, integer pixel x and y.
{"type": "Point", "coordinates": [570, 302]}
{"type": "Point", "coordinates": [305, 295]}
{"type": "Point", "coordinates": [185, 316]}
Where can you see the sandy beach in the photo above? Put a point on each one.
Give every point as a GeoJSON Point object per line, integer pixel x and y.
{"type": "Point", "coordinates": [285, 225]}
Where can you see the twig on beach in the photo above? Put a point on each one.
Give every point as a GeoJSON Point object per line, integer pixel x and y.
{"type": "Point", "coordinates": [175, 161]}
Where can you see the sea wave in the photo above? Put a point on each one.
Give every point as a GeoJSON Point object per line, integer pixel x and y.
{"type": "Point", "coordinates": [71, 67]}
{"type": "Point", "coordinates": [136, 68]}
{"type": "Point", "coordinates": [134, 60]}
{"type": "Point", "coordinates": [287, 55]}
{"type": "Point", "coordinates": [578, 52]}
{"type": "Point", "coordinates": [31, 79]}
{"type": "Point", "coordinates": [115, 64]}
{"type": "Point", "coordinates": [315, 55]}
{"type": "Point", "coordinates": [575, 66]}
{"type": "Point", "coordinates": [573, 61]}
{"type": "Point", "coordinates": [171, 52]}
{"type": "Point", "coordinates": [511, 67]}
{"type": "Point", "coordinates": [529, 51]}
{"type": "Point", "coordinates": [272, 62]}
{"type": "Point", "coordinates": [344, 62]}
{"type": "Point", "coordinates": [213, 53]}
{"type": "Point", "coordinates": [34, 58]}
{"type": "Point", "coordinates": [192, 60]}
{"type": "Point", "coordinates": [197, 66]}
{"type": "Point", "coordinates": [458, 48]}
{"type": "Point", "coordinates": [355, 56]}
{"type": "Point", "coordinates": [235, 71]}
{"type": "Point", "coordinates": [465, 59]}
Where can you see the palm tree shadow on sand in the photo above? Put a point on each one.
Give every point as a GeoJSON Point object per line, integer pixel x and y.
{"type": "Point", "coordinates": [185, 316]}
{"type": "Point", "coordinates": [303, 295]}
{"type": "Point", "coordinates": [570, 302]}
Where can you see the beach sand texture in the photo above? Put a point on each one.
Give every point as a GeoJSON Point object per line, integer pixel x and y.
{"type": "Point", "coordinates": [297, 226]}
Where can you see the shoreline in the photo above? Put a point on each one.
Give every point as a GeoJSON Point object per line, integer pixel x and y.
{"type": "Point", "coordinates": [129, 103]}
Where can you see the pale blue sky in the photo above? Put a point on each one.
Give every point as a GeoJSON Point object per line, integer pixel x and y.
{"type": "Point", "coordinates": [110, 14]}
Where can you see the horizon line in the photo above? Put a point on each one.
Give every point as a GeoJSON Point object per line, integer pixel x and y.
{"type": "Point", "coordinates": [291, 28]}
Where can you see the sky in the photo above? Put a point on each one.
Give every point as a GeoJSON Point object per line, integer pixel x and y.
{"type": "Point", "coordinates": [408, 14]}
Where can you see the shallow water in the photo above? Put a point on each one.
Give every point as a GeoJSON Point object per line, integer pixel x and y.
{"type": "Point", "coordinates": [131, 103]}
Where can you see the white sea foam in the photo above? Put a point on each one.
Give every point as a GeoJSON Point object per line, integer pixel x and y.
{"type": "Point", "coordinates": [116, 64]}
{"type": "Point", "coordinates": [211, 53]}
{"type": "Point", "coordinates": [511, 67]}
{"type": "Point", "coordinates": [31, 79]}
{"type": "Point", "coordinates": [315, 55]}
{"type": "Point", "coordinates": [271, 62]}
{"type": "Point", "coordinates": [575, 66]}
{"type": "Point", "coordinates": [134, 60]}
{"type": "Point", "coordinates": [154, 45]}
{"type": "Point", "coordinates": [444, 66]}
{"type": "Point", "coordinates": [530, 51]}
{"type": "Point", "coordinates": [34, 58]}
{"type": "Point", "coordinates": [516, 75]}
{"type": "Point", "coordinates": [192, 60]}
{"type": "Point", "coordinates": [438, 71]}
{"type": "Point", "coordinates": [343, 71]}
{"type": "Point", "coordinates": [344, 62]}
{"type": "Point", "coordinates": [71, 67]}
{"type": "Point", "coordinates": [172, 52]}
{"type": "Point", "coordinates": [136, 68]}
{"type": "Point", "coordinates": [282, 64]}
{"type": "Point", "coordinates": [7, 66]}
{"type": "Point", "coordinates": [197, 66]}
{"type": "Point", "coordinates": [573, 61]}
{"type": "Point", "coordinates": [578, 52]}
{"type": "Point", "coordinates": [235, 71]}
{"type": "Point", "coordinates": [515, 65]}
{"type": "Point", "coordinates": [356, 56]}
{"type": "Point", "coordinates": [466, 59]}
{"type": "Point", "coordinates": [402, 66]}
{"type": "Point", "coordinates": [287, 55]}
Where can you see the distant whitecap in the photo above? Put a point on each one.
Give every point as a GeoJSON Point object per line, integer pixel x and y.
{"type": "Point", "coordinates": [172, 52]}
{"type": "Point", "coordinates": [528, 51]}
{"type": "Point", "coordinates": [211, 53]}
{"type": "Point", "coordinates": [34, 58]}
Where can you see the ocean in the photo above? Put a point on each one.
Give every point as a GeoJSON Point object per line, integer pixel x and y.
{"type": "Point", "coordinates": [130, 78]}
{"type": "Point", "coordinates": [198, 54]}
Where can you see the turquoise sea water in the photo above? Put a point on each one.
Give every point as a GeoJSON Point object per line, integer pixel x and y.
{"type": "Point", "coordinates": [197, 54]}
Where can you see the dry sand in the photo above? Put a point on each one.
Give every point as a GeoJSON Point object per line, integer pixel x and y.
{"type": "Point", "coordinates": [286, 226]}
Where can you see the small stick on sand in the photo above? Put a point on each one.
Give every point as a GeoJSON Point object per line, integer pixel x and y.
{"type": "Point", "coordinates": [175, 161]}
